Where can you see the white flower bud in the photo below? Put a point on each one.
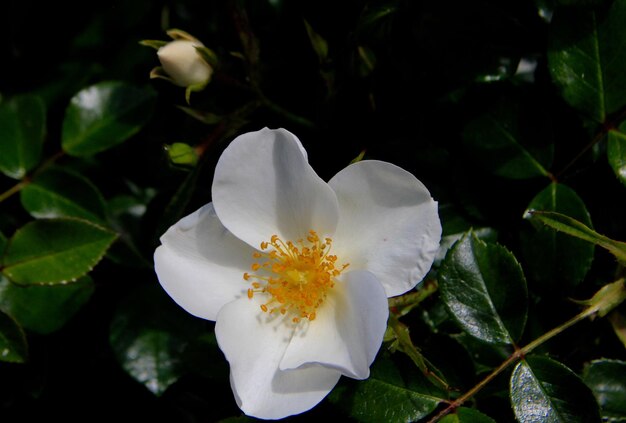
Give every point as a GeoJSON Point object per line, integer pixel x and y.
{"type": "Point", "coordinates": [183, 64]}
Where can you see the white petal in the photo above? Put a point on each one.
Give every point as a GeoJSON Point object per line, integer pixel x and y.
{"type": "Point", "coordinates": [388, 224]}
{"type": "Point", "coordinates": [200, 264]}
{"type": "Point", "coordinates": [254, 345]}
{"type": "Point", "coordinates": [348, 329]}
{"type": "Point", "coordinates": [264, 186]}
{"type": "Point", "coordinates": [183, 64]}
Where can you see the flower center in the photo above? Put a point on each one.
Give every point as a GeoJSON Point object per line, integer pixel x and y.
{"type": "Point", "coordinates": [296, 277]}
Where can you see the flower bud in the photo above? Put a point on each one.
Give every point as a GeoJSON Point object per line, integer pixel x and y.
{"type": "Point", "coordinates": [182, 154]}
{"type": "Point", "coordinates": [183, 64]}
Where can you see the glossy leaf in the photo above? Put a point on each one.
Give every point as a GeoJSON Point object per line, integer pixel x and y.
{"type": "Point", "coordinates": [607, 380]}
{"type": "Point", "coordinates": [62, 193]}
{"type": "Point", "coordinates": [616, 152]}
{"type": "Point", "coordinates": [44, 308]}
{"type": "Point", "coordinates": [484, 289]}
{"type": "Point", "coordinates": [557, 261]}
{"type": "Point", "coordinates": [150, 337]}
{"type": "Point", "coordinates": [386, 396]}
{"type": "Point", "coordinates": [447, 241]}
{"type": "Point", "coordinates": [586, 58]}
{"type": "Point", "coordinates": [13, 348]}
{"type": "Point", "coordinates": [104, 115]}
{"type": "Point", "coordinates": [577, 229]}
{"type": "Point", "coordinates": [125, 214]}
{"type": "Point", "coordinates": [22, 131]}
{"type": "Point", "coordinates": [511, 140]}
{"type": "Point", "coordinates": [485, 356]}
{"type": "Point", "coordinates": [544, 390]}
{"type": "Point", "coordinates": [467, 415]}
{"type": "Point", "coordinates": [454, 226]}
{"type": "Point", "coordinates": [55, 251]}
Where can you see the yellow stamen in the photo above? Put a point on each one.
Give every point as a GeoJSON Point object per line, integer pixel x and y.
{"type": "Point", "coordinates": [295, 277]}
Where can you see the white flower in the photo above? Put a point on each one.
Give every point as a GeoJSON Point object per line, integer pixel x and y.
{"type": "Point", "coordinates": [183, 64]}
{"type": "Point", "coordinates": [296, 271]}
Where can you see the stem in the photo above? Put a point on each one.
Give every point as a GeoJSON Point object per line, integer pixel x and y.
{"type": "Point", "coordinates": [29, 178]}
{"type": "Point", "coordinates": [606, 127]}
{"type": "Point", "coordinates": [405, 345]}
{"type": "Point", "coordinates": [251, 54]}
{"type": "Point", "coordinates": [14, 189]}
{"type": "Point", "coordinates": [517, 355]}
{"type": "Point", "coordinates": [403, 304]}
{"type": "Point", "coordinates": [596, 139]}
{"type": "Point", "coordinates": [230, 124]}
{"type": "Point", "coordinates": [429, 288]}
{"type": "Point", "coordinates": [557, 330]}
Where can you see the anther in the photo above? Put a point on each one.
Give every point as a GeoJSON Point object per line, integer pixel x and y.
{"type": "Point", "coordinates": [295, 277]}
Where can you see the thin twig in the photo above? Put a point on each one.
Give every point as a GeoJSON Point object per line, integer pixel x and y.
{"type": "Point", "coordinates": [517, 355]}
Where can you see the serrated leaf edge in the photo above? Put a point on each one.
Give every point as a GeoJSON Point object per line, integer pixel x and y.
{"type": "Point", "coordinates": [4, 267]}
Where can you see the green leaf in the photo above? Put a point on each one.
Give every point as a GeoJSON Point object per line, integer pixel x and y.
{"type": "Point", "coordinates": [511, 139]}
{"type": "Point", "coordinates": [586, 58]}
{"type": "Point", "coordinates": [55, 251]}
{"type": "Point", "coordinates": [616, 152]}
{"type": "Point", "coordinates": [467, 415]}
{"type": "Point", "coordinates": [104, 115]}
{"type": "Point", "coordinates": [386, 396]}
{"type": "Point", "coordinates": [3, 245]}
{"type": "Point", "coordinates": [556, 261]}
{"type": "Point", "coordinates": [59, 192]}
{"type": "Point", "coordinates": [194, 89]}
{"type": "Point", "coordinates": [13, 347]}
{"type": "Point", "coordinates": [151, 337]}
{"type": "Point", "coordinates": [203, 116]}
{"type": "Point", "coordinates": [402, 342]}
{"type": "Point", "coordinates": [182, 154]}
{"type": "Point", "coordinates": [485, 356]}
{"type": "Point", "coordinates": [448, 240]}
{"type": "Point", "coordinates": [318, 42]}
{"type": "Point", "coordinates": [618, 323]}
{"type": "Point", "coordinates": [125, 216]}
{"type": "Point", "coordinates": [155, 44]}
{"type": "Point", "coordinates": [209, 56]}
{"type": "Point", "coordinates": [484, 289]}
{"type": "Point", "coordinates": [376, 14]}
{"type": "Point", "coordinates": [44, 308]}
{"type": "Point", "coordinates": [579, 230]}
{"type": "Point", "coordinates": [22, 132]}
{"type": "Point", "coordinates": [544, 390]}
{"type": "Point", "coordinates": [607, 380]}
{"type": "Point", "coordinates": [366, 62]}
{"type": "Point", "coordinates": [609, 297]}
